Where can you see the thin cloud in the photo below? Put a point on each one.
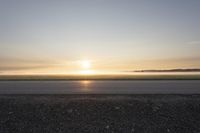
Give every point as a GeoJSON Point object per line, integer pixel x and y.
{"type": "Point", "coordinates": [170, 70]}
{"type": "Point", "coordinates": [16, 68]}
{"type": "Point", "coordinates": [15, 64]}
{"type": "Point", "coordinates": [194, 43]}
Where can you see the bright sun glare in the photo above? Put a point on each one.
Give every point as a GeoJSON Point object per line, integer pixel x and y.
{"type": "Point", "coordinates": [87, 72]}
{"type": "Point", "coordinates": [86, 64]}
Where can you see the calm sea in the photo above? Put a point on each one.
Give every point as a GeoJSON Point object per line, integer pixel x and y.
{"type": "Point", "coordinates": [101, 87]}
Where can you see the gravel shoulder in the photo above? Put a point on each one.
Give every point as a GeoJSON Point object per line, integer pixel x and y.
{"type": "Point", "coordinates": [99, 113]}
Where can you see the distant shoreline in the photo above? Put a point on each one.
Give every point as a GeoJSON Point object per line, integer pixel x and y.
{"type": "Point", "coordinates": [169, 70]}
{"type": "Point", "coordinates": [96, 77]}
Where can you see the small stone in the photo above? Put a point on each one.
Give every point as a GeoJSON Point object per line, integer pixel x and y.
{"type": "Point", "coordinates": [168, 130]}
{"type": "Point", "coordinates": [156, 108]}
{"type": "Point", "coordinates": [132, 130]}
{"type": "Point", "coordinates": [10, 113]}
{"type": "Point", "coordinates": [130, 104]}
{"type": "Point", "coordinates": [117, 108]}
{"type": "Point", "coordinates": [69, 110]}
{"type": "Point", "coordinates": [107, 127]}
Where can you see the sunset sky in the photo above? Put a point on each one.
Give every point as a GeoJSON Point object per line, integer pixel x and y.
{"type": "Point", "coordinates": [98, 36]}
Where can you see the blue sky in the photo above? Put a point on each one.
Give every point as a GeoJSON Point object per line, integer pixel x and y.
{"type": "Point", "coordinates": [116, 35]}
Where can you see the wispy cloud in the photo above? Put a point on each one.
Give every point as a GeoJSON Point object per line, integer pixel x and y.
{"type": "Point", "coordinates": [194, 43]}
{"type": "Point", "coordinates": [21, 67]}
{"type": "Point", "coordinates": [169, 70]}
{"type": "Point", "coordinates": [15, 64]}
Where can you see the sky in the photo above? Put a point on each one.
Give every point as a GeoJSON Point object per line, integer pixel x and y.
{"type": "Point", "coordinates": [112, 36]}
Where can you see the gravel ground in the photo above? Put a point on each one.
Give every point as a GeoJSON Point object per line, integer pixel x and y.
{"type": "Point", "coordinates": [99, 113]}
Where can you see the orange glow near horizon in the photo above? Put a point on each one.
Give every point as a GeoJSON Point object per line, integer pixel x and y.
{"type": "Point", "coordinates": [87, 72]}
{"type": "Point", "coordinates": [91, 67]}
{"type": "Point", "coordinates": [86, 66]}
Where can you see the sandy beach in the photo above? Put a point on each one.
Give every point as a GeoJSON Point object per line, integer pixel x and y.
{"type": "Point", "coordinates": [99, 113]}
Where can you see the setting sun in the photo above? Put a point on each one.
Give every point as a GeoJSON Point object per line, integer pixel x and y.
{"type": "Point", "coordinates": [86, 67]}
{"type": "Point", "coordinates": [87, 72]}
{"type": "Point", "coordinates": [86, 64]}
{"type": "Point", "coordinates": [99, 66]}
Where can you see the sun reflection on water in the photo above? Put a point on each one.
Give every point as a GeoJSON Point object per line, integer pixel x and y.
{"type": "Point", "coordinates": [86, 84]}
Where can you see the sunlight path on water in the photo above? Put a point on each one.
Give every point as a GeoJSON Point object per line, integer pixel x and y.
{"type": "Point", "coordinates": [101, 87]}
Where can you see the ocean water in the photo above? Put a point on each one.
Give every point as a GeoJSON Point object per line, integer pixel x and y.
{"type": "Point", "coordinates": [101, 87]}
